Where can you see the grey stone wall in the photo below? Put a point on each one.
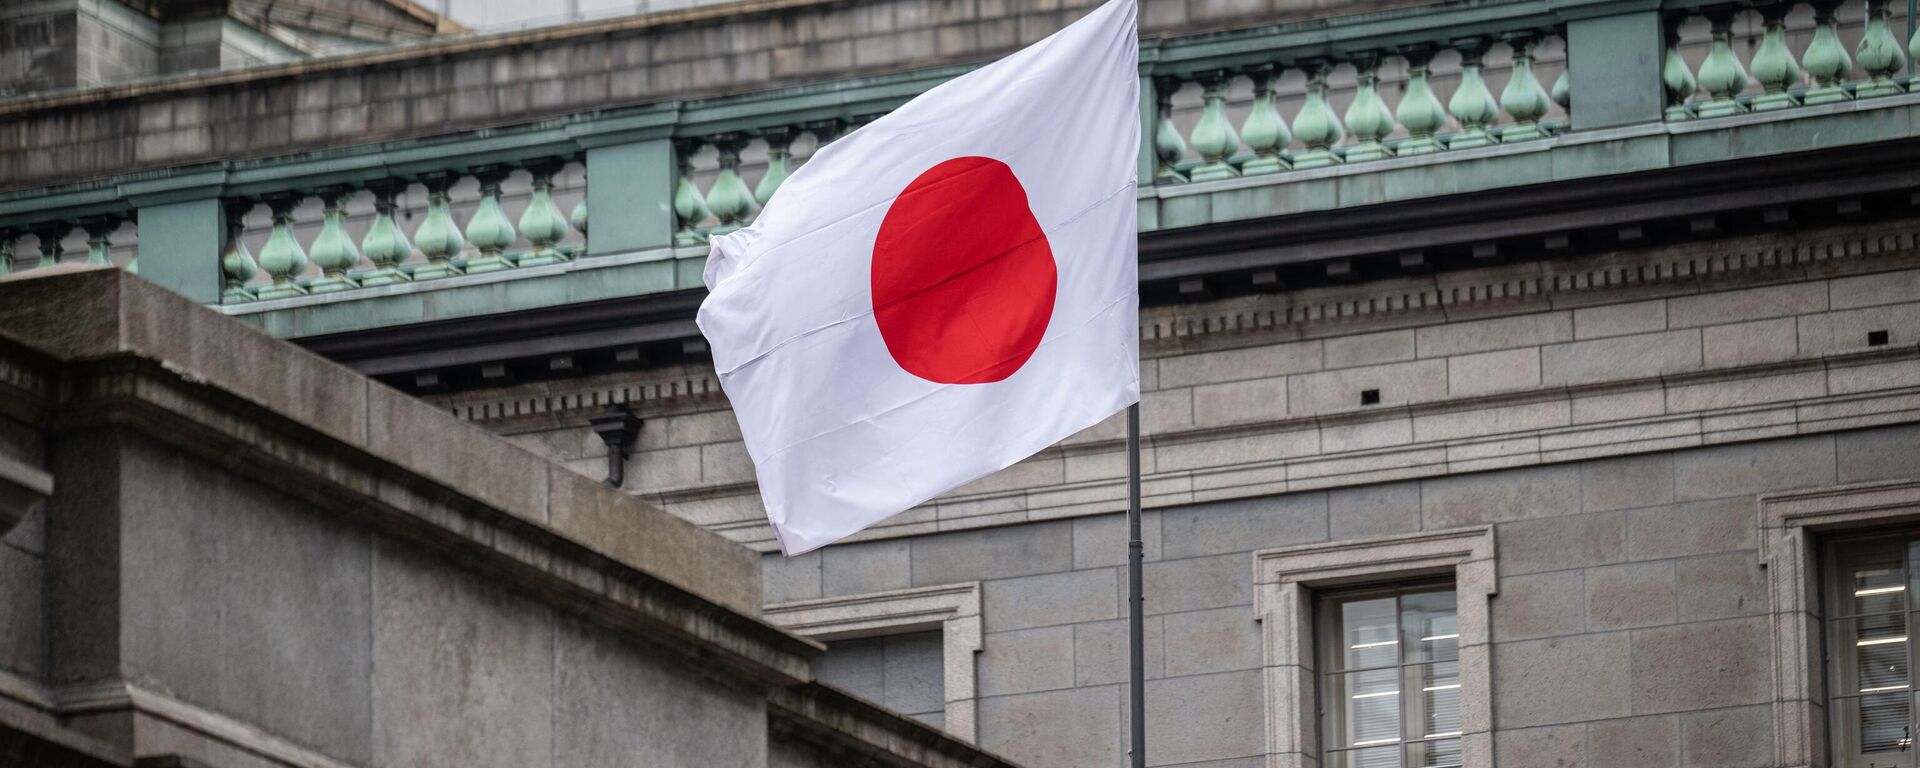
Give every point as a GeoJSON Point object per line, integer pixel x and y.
{"type": "Point", "coordinates": [1628, 629]}
{"type": "Point", "coordinates": [900, 672]}
{"type": "Point", "coordinates": [255, 605]}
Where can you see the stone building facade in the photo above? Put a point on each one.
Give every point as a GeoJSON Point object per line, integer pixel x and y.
{"type": "Point", "coordinates": [1574, 426]}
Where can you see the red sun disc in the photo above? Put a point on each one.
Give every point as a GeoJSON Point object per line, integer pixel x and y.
{"type": "Point", "coordinates": [963, 279]}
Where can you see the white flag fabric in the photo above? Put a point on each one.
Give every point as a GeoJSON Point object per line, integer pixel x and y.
{"type": "Point", "coordinates": [941, 293]}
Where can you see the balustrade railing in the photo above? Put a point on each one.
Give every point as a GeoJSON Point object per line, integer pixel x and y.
{"type": "Point", "coordinates": [1800, 53]}
{"type": "Point", "coordinates": [81, 239]}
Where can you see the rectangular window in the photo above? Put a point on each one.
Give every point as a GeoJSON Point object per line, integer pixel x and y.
{"type": "Point", "coordinates": [1869, 656]}
{"type": "Point", "coordinates": [1390, 680]}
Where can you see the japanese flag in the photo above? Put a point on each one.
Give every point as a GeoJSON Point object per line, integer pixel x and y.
{"type": "Point", "coordinates": [941, 293]}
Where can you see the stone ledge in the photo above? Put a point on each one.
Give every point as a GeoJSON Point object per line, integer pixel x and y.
{"type": "Point", "coordinates": [839, 723]}
{"type": "Point", "coordinates": [138, 356]}
{"type": "Point", "coordinates": [1496, 432]}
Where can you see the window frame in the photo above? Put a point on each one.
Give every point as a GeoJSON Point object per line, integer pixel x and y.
{"type": "Point", "coordinates": [954, 609]}
{"type": "Point", "coordinates": [1287, 581]}
{"type": "Point", "coordinates": [1327, 637]}
{"type": "Point", "coordinates": [1792, 529]}
{"type": "Point", "coordinates": [1903, 536]}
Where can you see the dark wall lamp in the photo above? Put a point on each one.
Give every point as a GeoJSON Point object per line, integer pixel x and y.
{"type": "Point", "coordinates": [618, 427]}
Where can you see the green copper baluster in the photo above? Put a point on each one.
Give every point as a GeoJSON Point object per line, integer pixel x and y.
{"type": "Point", "coordinates": [1523, 98]}
{"type": "Point", "coordinates": [1721, 74]}
{"type": "Point", "coordinates": [1913, 59]}
{"type": "Point", "coordinates": [1368, 118]}
{"type": "Point", "coordinates": [281, 257]}
{"type": "Point", "coordinates": [489, 230]}
{"type": "Point", "coordinates": [438, 238]}
{"type": "Point", "coordinates": [779, 159]}
{"type": "Point", "coordinates": [1264, 131]}
{"type": "Point", "coordinates": [1213, 136]}
{"type": "Point", "coordinates": [1168, 147]}
{"type": "Point", "coordinates": [333, 250]}
{"type": "Point", "coordinates": [1879, 53]}
{"type": "Point", "coordinates": [579, 221]}
{"type": "Point", "coordinates": [688, 206]}
{"type": "Point", "coordinates": [7, 238]}
{"type": "Point", "coordinates": [1562, 92]}
{"type": "Point", "coordinates": [1317, 125]}
{"type": "Point", "coordinates": [1773, 65]}
{"type": "Point", "coordinates": [385, 244]}
{"type": "Point", "coordinates": [100, 239]}
{"type": "Point", "coordinates": [542, 223]}
{"type": "Point", "coordinates": [1675, 75]}
{"type": "Point", "coordinates": [1419, 109]}
{"type": "Point", "coordinates": [729, 198]}
{"type": "Point", "coordinates": [51, 235]}
{"type": "Point", "coordinates": [825, 131]}
{"type": "Point", "coordinates": [1826, 60]}
{"type": "Point", "coordinates": [1472, 104]}
{"type": "Point", "coordinates": [236, 263]}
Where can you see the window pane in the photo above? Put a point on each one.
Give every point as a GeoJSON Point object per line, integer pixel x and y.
{"type": "Point", "coordinates": [1430, 627]}
{"type": "Point", "coordinates": [1376, 757]}
{"type": "Point", "coordinates": [1870, 654]}
{"type": "Point", "coordinates": [1369, 636]}
{"type": "Point", "coordinates": [1434, 754]}
{"type": "Point", "coordinates": [1363, 708]}
{"type": "Point", "coordinates": [1874, 729]}
{"type": "Point", "coordinates": [1871, 579]}
{"type": "Point", "coordinates": [1433, 700]}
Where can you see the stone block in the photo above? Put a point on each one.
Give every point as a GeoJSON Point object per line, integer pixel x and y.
{"type": "Point", "coordinates": [785, 579]}
{"type": "Point", "coordinates": [1878, 454]}
{"type": "Point", "coordinates": [1524, 417]}
{"type": "Point", "coordinates": [914, 667]}
{"type": "Point", "coordinates": [1751, 343]}
{"type": "Point", "coordinates": [1228, 451]}
{"type": "Point", "coordinates": [654, 540]}
{"type": "Point", "coordinates": [1591, 407]}
{"type": "Point", "coordinates": [1539, 605]}
{"type": "Point", "coordinates": [1240, 364]}
{"type": "Point", "coordinates": [1846, 331]}
{"type": "Point", "coordinates": [1492, 372]}
{"type": "Point", "coordinates": [1026, 660]}
{"type": "Point", "coordinates": [1520, 494]}
{"type": "Point", "coordinates": [724, 463]}
{"type": "Point", "coordinates": [1100, 650]}
{"type": "Point", "coordinates": [1240, 402]}
{"type": "Point", "coordinates": [1419, 381]}
{"type": "Point", "coordinates": [1071, 727]}
{"type": "Point", "coordinates": [1624, 483]}
{"type": "Point", "coordinates": [1196, 583]}
{"type": "Point", "coordinates": [1749, 468]}
{"type": "Point", "coordinates": [1679, 530]}
{"type": "Point", "coordinates": [1219, 640]}
{"type": "Point", "coordinates": [1373, 510]}
{"type": "Point", "coordinates": [1748, 304]}
{"type": "Point", "coordinates": [950, 558]}
{"type": "Point", "coordinates": [1872, 290]}
{"type": "Point", "coordinates": [1635, 742]}
{"type": "Point", "coordinates": [860, 568]}
{"type": "Point", "coordinates": [421, 438]}
{"type": "Point", "coordinates": [1720, 586]}
{"type": "Point", "coordinates": [857, 666]}
{"type": "Point", "coordinates": [1620, 358]}
{"type": "Point", "coordinates": [1369, 348]}
{"type": "Point", "coordinates": [1375, 431]}
{"type": "Point", "coordinates": [1205, 717]}
{"type": "Point", "coordinates": [1559, 543]}
{"type": "Point", "coordinates": [1702, 665]}
{"type": "Point", "coordinates": [463, 666]}
{"type": "Point", "coordinates": [1620, 319]}
{"type": "Point", "coordinates": [608, 696]}
{"type": "Point", "coordinates": [22, 613]}
{"type": "Point", "coordinates": [1728, 738]}
{"type": "Point", "coordinates": [1553, 746]}
{"type": "Point", "coordinates": [666, 469]}
{"type": "Point", "coordinates": [1497, 333]}
{"type": "Point", "coordinates": [1102, 540]}
{"type": "Point", "coordinates": [1051, 599]}
{"type": "Point", "coordinates": [1630, 595]}
{"type": "Point", "coordinates": [1536, 676]}
{"type": "Point", "coordinates": [1243, 525]}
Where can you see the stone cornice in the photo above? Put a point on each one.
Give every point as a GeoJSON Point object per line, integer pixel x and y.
{"type": "Point", "coordinates": [825, 718]}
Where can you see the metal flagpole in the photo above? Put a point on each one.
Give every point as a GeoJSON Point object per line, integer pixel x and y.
{"type": "Point", "coordinates": [1136, 620]}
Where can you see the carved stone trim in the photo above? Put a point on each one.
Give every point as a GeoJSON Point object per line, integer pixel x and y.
{"type": "Point", "coordinates": [124, 700]}
{"type": "Point", "coordinates": [1284, 580]}
{"type": "Point", "coordinates": [1789, 527]}
{"type": "Point", "coordinates": [952, 608]}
